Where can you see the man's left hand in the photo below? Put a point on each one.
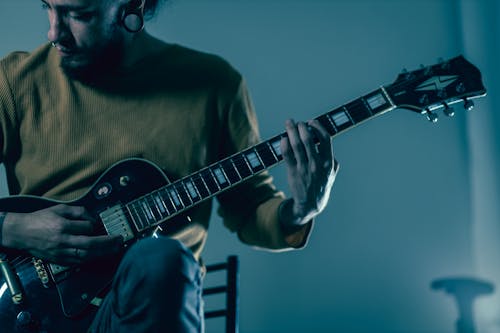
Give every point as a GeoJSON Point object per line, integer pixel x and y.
{"type": "Point", "coordinates": [311, 170]}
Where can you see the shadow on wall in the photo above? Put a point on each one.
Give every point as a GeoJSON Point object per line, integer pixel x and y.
{"type": "Point", "coordinates": [465, 291]}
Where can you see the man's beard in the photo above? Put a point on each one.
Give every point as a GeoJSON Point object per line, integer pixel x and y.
{"type": "Point", "coordinates": [91, 65]}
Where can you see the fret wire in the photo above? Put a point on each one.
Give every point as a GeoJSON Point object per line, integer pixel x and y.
{"type": "Point", "coordinates": [157, 205]}
{"type": "Point", "coordinates": [149, 211]}
{"type": "Point", "coordinates": [157, 211]}
{"type": "Point", "coordinates": [247, 163]}
{"type": "Point", "coordinates": [159, 200]}
{"type": "Point", "coordinates": [130, 214]}
{"type": "Point", "coordinates": [183, 188]}
{"type": "Point", "coordinates": [215, 179]}
{"type": "Point", "coordinates": [168, 194]}
{"type": "Point", "coordinates": [205, 184]}
{"type": "Point", "coordinates": [243, 166]}
{"type": "Point", "coordinates": [177, 196]}
{"type": "Point", "coordinates": [387, 102]}
{"type": "Point", "coordinates": [183, 182]}
{"type": "Point", "coordinates": [211, 177]}
{"type": "Point", "coordinates": [219, 167]}
{"type": "Point", "coordinates": [277, 149]}
{"type": "Point", "coordinates": [193, 185]}
{"type": "Point", "coordinates": [272, 151]}
{"type": "Point", "coordinates": [364, 109]}
{"type": "Point", "coordinates": [228, 169]}
{"type": "Point", "coordinates": [253, 151]}
{"type": "Point", "coordinates": [170, 211]}
{"type": "Point", "coordinates": [224, 173]}
{"type": "Point", "coordinates": [365, 103]}
{"type": "Point", "coordinates": [142, 214]}
{"type": "Point", "coordinates": [354, 109]}
{"type": "Point", "coordinates": [207, 190]}
{"type": "Point", "coordinates": [147, 205]}
{"type": "Point", "coordinates": [264, 154]}
{"type": "Point", "coordinates": [136, 221]}
{"type": "Point", "coordinates": [159, 215]}
{"type": "Point", "coordinates": [235, 168]}
{"type": "Point", "coordinates": [387, 97]}
{"type": "Point", "coordinates": [349, 115]}
{"type": "Point", "coordinates": [342, 119]}
{"type": "Point", "coordinates": [129, 208]}
{"type": "Point", "coordinates": [328, 117]}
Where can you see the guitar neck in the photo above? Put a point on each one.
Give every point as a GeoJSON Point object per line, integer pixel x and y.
{"type": "Point", "coordinates": [174, 198]}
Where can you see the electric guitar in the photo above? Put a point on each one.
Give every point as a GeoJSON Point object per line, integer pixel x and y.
{"type": "Point", "coordinates": [133, 197]}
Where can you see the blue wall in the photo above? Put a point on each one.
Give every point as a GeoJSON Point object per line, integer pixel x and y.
{"type": "Point", "coordinates": [401, 211]}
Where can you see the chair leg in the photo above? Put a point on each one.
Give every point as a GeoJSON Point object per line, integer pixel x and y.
{"type": "Point", "coordinates": [232, 295]}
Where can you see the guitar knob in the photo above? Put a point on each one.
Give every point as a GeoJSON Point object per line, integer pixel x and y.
{"type": "Point", "coordinates": [25, 321]}
{"type": "Point", "coordinates": [124, 180]}
{"type": "Point", "coordinates": [449, 111]}
{"type": "Point", "coordinates": [468, 104]}
{"type": "Point", "coordinates": [431, 116]}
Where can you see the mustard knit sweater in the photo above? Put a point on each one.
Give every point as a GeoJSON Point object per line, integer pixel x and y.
{"type": "Point", "coordinates": [179, 108]}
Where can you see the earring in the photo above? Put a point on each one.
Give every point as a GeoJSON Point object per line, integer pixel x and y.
{"type": "Point", "coordinates": [133, 18]}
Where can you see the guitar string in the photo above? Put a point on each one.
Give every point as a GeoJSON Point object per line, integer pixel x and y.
{"type": "Point", "coordinates": [179, 186]}
{"type": "Point", "coordinates": [355, 109]}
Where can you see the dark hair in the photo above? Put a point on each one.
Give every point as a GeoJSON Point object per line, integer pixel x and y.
{"type": "Point", "coordinates": [151, 8]}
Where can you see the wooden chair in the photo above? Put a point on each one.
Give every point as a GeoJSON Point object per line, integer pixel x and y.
{"type": "Point", "coordinates": [229, 287]}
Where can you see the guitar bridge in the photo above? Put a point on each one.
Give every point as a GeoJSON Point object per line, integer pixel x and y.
{"type": "Point", "coordinates": [41, 271]}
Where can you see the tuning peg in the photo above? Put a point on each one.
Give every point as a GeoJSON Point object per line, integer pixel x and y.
{"type": "Point", "coordinates": [468, 104]}
{"type": "Point", "coordinates": [431, 116]}
{"type": "Point", "coordinates": [449, 111]}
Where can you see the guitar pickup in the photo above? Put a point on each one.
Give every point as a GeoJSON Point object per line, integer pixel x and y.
{"type": "Point", "coordinates": [116, 223]}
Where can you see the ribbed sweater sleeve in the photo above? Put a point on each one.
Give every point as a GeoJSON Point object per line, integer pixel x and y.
{"type": "Point", "coordinates": [7, 112]}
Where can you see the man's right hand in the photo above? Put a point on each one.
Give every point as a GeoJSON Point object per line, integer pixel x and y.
{"type": "Point", "coordinates": [61, 234]}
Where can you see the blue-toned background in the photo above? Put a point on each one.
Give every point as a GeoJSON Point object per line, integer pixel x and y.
{"type": "Point", "coordinates": [413, 201]}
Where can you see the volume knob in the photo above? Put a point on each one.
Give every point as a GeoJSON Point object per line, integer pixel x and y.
{"type": "Point", "coordinates": [24, 319]}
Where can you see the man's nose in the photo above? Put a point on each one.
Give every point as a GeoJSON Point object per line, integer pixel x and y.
{"type": "Point", "coordinates": [58, 29]}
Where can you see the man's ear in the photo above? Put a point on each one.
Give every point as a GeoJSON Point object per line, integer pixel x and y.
{"type": "Point", "coordinates": [133, 16]}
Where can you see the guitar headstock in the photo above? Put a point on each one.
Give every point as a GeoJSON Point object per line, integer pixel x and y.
{"type": "Point", "coordinates": [438, 86]}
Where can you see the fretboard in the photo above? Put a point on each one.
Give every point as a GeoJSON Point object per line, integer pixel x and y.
{"type": "Point", "coordinates": [158, 206]}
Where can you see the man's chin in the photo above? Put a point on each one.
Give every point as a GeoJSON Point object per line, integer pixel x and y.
{"type": "Point", "coordinates": [83, 71]}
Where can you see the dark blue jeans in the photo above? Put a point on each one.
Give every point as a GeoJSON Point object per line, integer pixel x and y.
{"type": "Point", "coordinates": [157, 288]}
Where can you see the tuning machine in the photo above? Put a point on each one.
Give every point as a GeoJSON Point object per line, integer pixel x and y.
{"type": "Point", "coordinates": [431, 116]}
{"type": "Point", "coordinates": [448, 110]}
{"type": "Point", "coordinates": [468, 104]}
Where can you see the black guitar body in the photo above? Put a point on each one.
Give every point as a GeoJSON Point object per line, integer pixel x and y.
{"type": "Point", "coordinates": [64, 304]}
